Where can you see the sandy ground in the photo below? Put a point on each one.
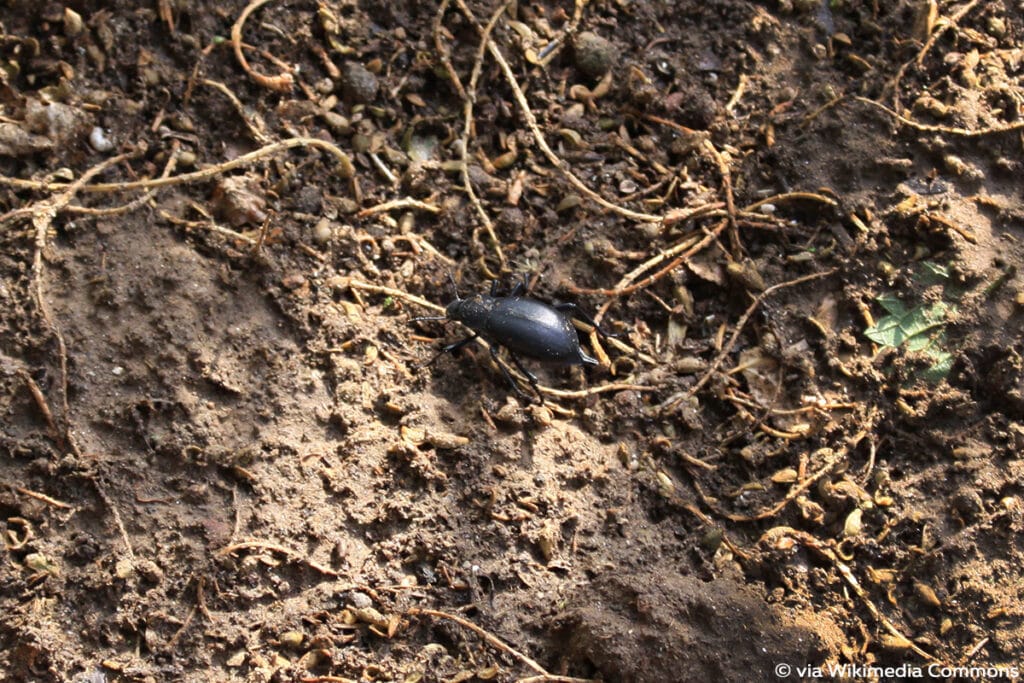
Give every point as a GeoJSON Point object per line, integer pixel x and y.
{"type": "Point", "coordinates": [222, 456]}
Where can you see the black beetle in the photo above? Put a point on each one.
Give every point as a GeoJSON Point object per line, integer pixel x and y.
{"type": "Point", "coordinates": [526, 327]}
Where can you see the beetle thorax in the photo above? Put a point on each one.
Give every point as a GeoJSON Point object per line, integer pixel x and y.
{"type": "Point", "coordinates": [471, 312]}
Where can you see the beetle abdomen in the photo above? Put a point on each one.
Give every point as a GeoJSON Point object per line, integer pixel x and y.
{"type": "Point", "coordinates": [535, 330]}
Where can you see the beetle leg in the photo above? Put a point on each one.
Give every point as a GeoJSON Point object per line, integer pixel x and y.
{"type": "Point", "coordinates": [511, 380]}
{"type": "Point", "coordinates": [521, 288]}
{"type": "Point", "coordinates": [575, 311]}
{"type": "Point", "coordinates": [450, 348]}
{"type": "Point", "coordinates": [455, 287]}
{"type": "Point", "coordinates": [529, 375]}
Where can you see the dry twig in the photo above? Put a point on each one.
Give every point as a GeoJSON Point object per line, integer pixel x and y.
{"type": "Point", "coordinates": [45, 498]}
{"type": "Point", "coordinates": [468, 127]}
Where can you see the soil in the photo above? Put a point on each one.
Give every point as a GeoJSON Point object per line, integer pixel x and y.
{"type": "Point", "coordinates": [224, 455]}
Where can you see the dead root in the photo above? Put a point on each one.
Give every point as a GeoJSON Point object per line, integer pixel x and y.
{"type": "Point", "coordinates": [284, 81]}
{"type": "Point", "coordinates": [345, 170]}
{"type": "Point", "coordinates": [930, 128]}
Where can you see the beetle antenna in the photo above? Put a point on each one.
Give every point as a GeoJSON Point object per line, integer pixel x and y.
{"type": "Point", "coordinates": [455, 287]}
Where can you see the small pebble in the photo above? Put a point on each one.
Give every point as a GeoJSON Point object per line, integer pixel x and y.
{"type": "Point", "coordinates": [322, 231]}
{"type": "Point", "coordinates": [338, 124]}
{"type": "Point", "coordinates": [358, 85]}
{"type": "Point", "coordinates": [593, 54]}
{"type": "Point", "coordinates": [292, 639]}
{"type": "Point", "coordinates": [360, 600]}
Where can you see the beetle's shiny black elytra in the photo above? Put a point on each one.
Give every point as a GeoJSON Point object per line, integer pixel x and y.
{"type": "Point", "coordinates": [522, 325]}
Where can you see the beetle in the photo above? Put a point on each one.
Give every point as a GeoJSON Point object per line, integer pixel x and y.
{"type": "Point", "coordinates": [523, 325]}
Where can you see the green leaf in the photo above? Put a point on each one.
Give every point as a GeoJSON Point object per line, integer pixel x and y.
{"type": "Point", "coordinates": [931, 274]}
{"type": "Point", "coordinates": [903, 325]}
{"type": "Point", "coordinates": [892, 304]}
{"type": "Point", "coordinates": [940, 369]}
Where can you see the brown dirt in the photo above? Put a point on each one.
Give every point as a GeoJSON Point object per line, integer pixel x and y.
{"type": "Point", "coordinates": [220, 459]}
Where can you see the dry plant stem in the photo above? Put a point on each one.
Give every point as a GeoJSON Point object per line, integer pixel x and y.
{"type": "Point", "coordinates": [264, 230]}
{"type": "Point", "coordinates": [730, 202]}
{"type": "Point", "coordinates": [43, 213]}
{"type": "Point", "coordinates": [284, 81]}
{"type": "Point", "coordinates": [165, 13]}
{"type": "Point", "coordinates": [629, 350]}
{"type": "Point", "coordinates": [11, 540]}
{"type": "Point", "coordinates": [788, 197]}
{"type": "Point", "coordinates": [975, 649]}
{"type": "Point", "coordinates": [467, 133]}
{"type": "Point", "coordinates": [551, 49]}
{"type": "Point", "coordinates": [531, 122]}
{"type": "Point", "coordinates": [207, 225]}
{"type": "Point", "coordinates": [101, 491]}
{"type": "Point", "coordinates": [172, 162]}
{"type": "Point", "coordinates": [592, 391]}
{"type": "Point", "coordinates": [345, 163]}
{"type": "Point", "coordinates": [928, 128]}
{"type": "Point", "coordinates": [960, 14]}
{"type": "Point", "coordinates": [173, 642]}
{"type": "Point", "coordinates": [950, 225]}
{"type": "Point", "coordinates": [629, 277]}
{"type": "Point", "coordinates": [710, 237]}
{"type": "Point", "coordinates": [256, 130]}
{"type": "Point", "coordinates": [493, 640]}
{"type": "Point", "coordinates": [740, 324]}
{"type": "Point", "coordinates": [688, 245]}
{"type": "Point", "coordinates": [397, 293]}
{"type": "Point", "coordinates": [44, 408]}
{"type": "Point", "coordinates": [468, 99]}
{"type": "Point", "coordinates": [710, 523]}
{"type": "Point", "coordinates": [404, 203]}
{"type": "Point", "coordinates": [45, 498]}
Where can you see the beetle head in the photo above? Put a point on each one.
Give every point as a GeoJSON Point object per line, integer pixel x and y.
{"type": "Point", "coordinates": [453, 311]}
{"type": "Point", "coordinates": [471, 311]}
